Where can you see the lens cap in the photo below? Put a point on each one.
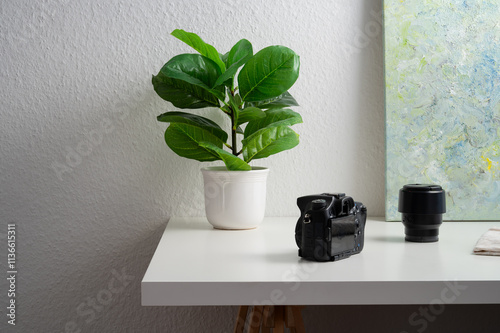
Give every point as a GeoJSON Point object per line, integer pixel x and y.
{"type": "Point", "coordinates": [422, 207]}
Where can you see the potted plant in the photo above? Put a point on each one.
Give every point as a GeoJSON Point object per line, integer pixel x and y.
{"type": "Point", "coordinates": [256, 100]}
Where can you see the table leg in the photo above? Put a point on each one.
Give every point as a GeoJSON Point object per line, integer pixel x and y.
{"type": "Point", "coordinates": [266, 317]}
{"type": "Point", "coordinates": [294, 319]}
{"type": "Point", "coordinates": [255, 319]}
{"type": "Point", "coordinates": [268, 320]}
{"type": "Point", "coordinates": [240, 319]}
{"type": "Point", "coordinates": [279, 319]}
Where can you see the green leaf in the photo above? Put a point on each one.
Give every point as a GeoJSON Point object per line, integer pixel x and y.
{"type": "Point", "coordinates": [250, 113]}
{"type": "Point", "coordinates": [199, 45]}
{"type": "Point", "coordinates": [194, 69]}
{"type": "Point", "coordinates": [189, 76]}
{"type": "Point", "coordinates": [237, 100]}
{"type": "Point", "coordinates": [195, 120]}
{"type": "Point", "coordinates": [224, 57]}
{"type": "Point", "coordinates": [232, 162]}
{"type": "Point", "coordinates": [184, 140]}
{"type": "Point", "coordinates": [269, 73]}
{"type": "Point", "coordinates": [240, 53]}
{"type": "Point", "coordinates": [274, 118]}
{"type": "Point", "coordinates": [281, 101]}
{"type": "Point", "coordinates": [182, 94]}
{"type": "Point", "coordinates": [269, 141]}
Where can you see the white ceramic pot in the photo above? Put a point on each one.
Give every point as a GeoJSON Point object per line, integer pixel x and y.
{"type": "Point", "coordinates": [235, 199]}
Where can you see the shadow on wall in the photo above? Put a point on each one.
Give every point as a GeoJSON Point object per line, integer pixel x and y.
{"type": "Point", "coordinates": [86, 242]}
{"type": "Point", "coordinates": [366, 49]}
{"type": "Point", "coordinates": [111, 296]}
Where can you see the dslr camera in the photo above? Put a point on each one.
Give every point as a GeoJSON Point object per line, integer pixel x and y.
{"type": "Point", "coordinates": [331, 227]}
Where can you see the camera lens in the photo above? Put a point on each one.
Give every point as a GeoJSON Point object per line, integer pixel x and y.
{"type": "Point", "coordinates": [422, 207]}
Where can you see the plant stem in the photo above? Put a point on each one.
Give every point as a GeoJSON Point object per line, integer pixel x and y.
{"type": "Point", "coordinates": [233, 134]}
{"type": "Point", "coordinates": [233, 124]}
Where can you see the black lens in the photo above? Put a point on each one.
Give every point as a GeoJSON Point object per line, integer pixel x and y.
{"type": "Point", "coordinates": [422, 207]}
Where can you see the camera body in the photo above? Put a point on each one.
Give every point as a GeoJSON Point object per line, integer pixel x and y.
{"type": "Point", "coordinates": [331, 227]}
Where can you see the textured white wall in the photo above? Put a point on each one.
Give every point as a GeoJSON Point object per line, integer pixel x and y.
{"type": "Point", "coordinates": [84, 171]}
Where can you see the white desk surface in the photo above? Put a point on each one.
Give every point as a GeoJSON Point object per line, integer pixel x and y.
{"type": "Point", "coordinates": [195, 264]}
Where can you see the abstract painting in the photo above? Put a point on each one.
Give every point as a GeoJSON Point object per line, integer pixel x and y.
{"type": "Point", "coordinates": [442, 86]}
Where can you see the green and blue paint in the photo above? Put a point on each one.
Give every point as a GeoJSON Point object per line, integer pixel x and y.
{"type": "Point", "coordinates": [442, 72]}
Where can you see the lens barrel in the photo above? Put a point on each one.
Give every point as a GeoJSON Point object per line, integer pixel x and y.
{"type": "Point", "coordinates": [422, 207]}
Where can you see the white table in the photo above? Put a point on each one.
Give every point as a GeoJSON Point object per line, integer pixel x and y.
{"type": "Point", "coordinates": [195, 264]}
